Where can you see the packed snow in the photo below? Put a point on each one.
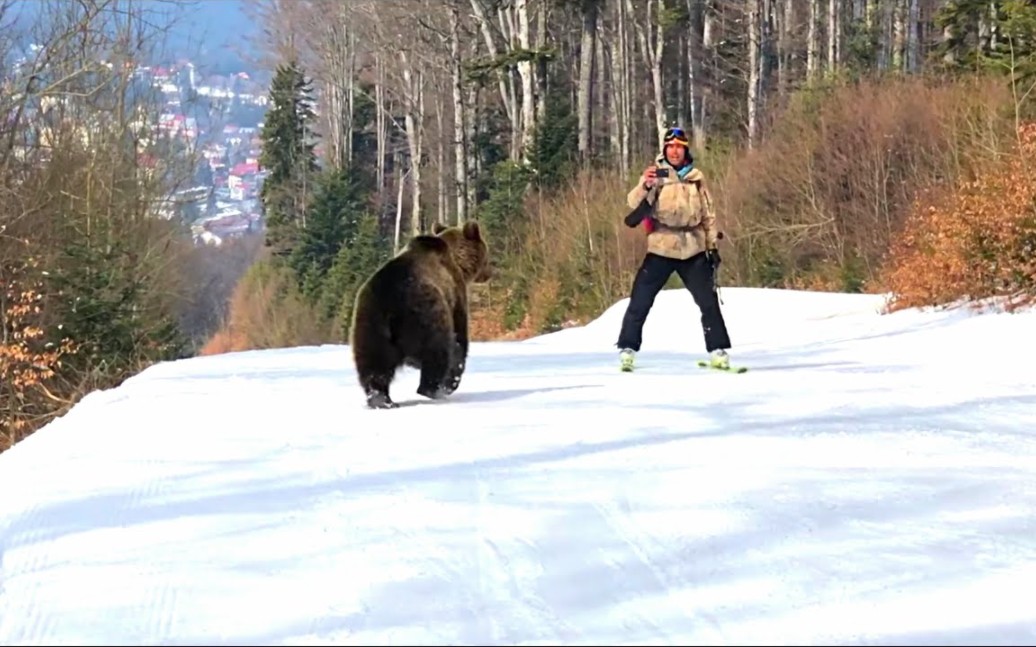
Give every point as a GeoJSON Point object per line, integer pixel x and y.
{"type": "Point", "coordinates": [870, 480]}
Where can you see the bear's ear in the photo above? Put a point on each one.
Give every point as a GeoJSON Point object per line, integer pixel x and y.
{"type": "Point", "coordinates": [438, 228]}
{"type": "Point", "coordinates": [472, 231]}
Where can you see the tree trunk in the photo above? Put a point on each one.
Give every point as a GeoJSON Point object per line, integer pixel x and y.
{"type": "Point", "coordinates": [584, 95]}
{"type": "Point", "coordinates": [640, 62]}
{"type": "Point", "coordinates": [752, 26]}
{"type": "Point", "coordinates": [400, 183]}
{"type": "Point", "coordinates": [767, 58]}
{"type": "Point", "coordinates": [460, 152]}
{"type": "Point", "coordinates": [785, 45]}
{"type": "Point", "coordinates": [380, 120]}
{"type": "Point", "coordinates": [694, 46]}
{"type": "Point", "coordinates": [504, 80]}
{"type": "Point", "coordinates": [913, 43]}
{"type": "Point", "coordinates": [413, 119]}
{"type": "Point", "coordinates": [682, 64]}
{"type": "Point", "coordinates": [885, 20]}
{"type": "Point", "coordinates": [833, 8]}
{"type": "Point", "coordinates": [812, 40]}
{"type": "Point", "coordinates": [474, 163]}
{"type": "Point", "coordinates": [898, 34]}
{"type": "Point", "coordinates": [440, 158]}
{"type": "Point", "coordinates": [658, 43]}
{"type": "Point", "coordinates": [507, 24]}
{"type": "Point", "coordinates": [708, 53]}
{"type": "Point", "coordinates": [541, 63]}
{"type": "Point", "coordinates": [334, 48]}
{"type": "Point", "coordinates": [525, 71]}
{"type": "Point", "coordinates": [601, 94]}
{"type": "Point", "coordinates": [620, 67]}
{"type": "Point", "coordinates": [650, 36]}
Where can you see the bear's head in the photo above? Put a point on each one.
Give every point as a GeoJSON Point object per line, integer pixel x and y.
{"type": "Point", "coordinates": [468, 249]}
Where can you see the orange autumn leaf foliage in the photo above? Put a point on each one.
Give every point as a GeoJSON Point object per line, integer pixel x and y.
{"type": "Point", "coordinates": [27, 360]}
{"type": "Point", "coordinates": [972, 241]}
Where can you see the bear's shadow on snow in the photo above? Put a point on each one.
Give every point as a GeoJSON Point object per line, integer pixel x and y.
{"type": "Point", "coordinates": [499, 395]}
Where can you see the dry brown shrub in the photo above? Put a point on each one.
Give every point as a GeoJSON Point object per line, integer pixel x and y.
{"type": "Point", "coordinates": [833, 181]}
{"type": "Point", "coordinates": [224, 341]}
{"type": "Point", "coordinates": [29, 361]}
{"type": "Point", "coordinates": [267, 311]}
{"type": "Point", "coordinates": [972, 240]}
{"type": "Point", "coordinates": [487, 325]}
{"type": "Point", "coordinates": [577, 256]}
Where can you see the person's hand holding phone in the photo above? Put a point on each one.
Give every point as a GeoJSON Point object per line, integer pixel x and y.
{"type": "Point", "coordinates": [651, 175]}
{"type": "Point", "coordinates": [648, 177]}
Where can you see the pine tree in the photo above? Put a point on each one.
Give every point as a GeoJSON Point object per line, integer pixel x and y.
{"type": "Point", "coordinates": [334, 219]}
{"type": "Point", "coordinates": [1017, 53]}
{"type": "Point", "coordinates": [989, 35]}
{"type": "Point", "coordinates": [358, 257]}
{"type": "Point", "coordinates": [555, 146]}
{"type": "Point", "coordinates": [110, 313]}
{"type": "Point", "coordinates": [288, 157]}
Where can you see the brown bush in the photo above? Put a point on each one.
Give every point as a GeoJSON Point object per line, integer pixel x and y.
{"type": "Point", "coordinates": [28, 359]}
{"type": "Point", "coordinates": [972, 240]}
{"type": "Point", "coordinates": [224, 341]}
{"type": "Point", "coordinates": [819, 201]}
{"type": "Point", "coordinates": [207, 277]}
{"type": "Point", "coordinates": [267, 311]}
{"type": "Point", "coordinates": [576, 259]}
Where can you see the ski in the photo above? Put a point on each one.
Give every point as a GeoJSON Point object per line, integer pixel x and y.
{"type": "Point", "coordinates": [628, 368]}
{"type": "Point", "coordinates": [730, 369]}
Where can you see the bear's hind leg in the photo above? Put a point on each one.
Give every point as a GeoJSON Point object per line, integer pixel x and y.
{"type": "Point", "coordinates": [453, 376]}
{"type": "Point", "coordinates": [435, 364]}
{"type": "Point", "coordinates": [377, 393]}
{"type": "Point", "coordinates": [459, 356]}
{"type": "Point", "coordinates": [376, 368]}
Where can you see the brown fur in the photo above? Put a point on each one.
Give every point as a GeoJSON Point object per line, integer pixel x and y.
{"type": "Point", "coordinates": [414, 311]}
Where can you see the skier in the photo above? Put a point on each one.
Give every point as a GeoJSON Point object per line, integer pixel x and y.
{"type": "Point", "coordinates": [675, 208]}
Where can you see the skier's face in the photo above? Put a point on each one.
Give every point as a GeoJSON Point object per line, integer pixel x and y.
{"type": "Point", "coordinates": [675, 154]}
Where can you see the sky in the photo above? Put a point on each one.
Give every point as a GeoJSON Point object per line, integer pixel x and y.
{"type": "Point", "coordinates": [220, 31]}
{"type": "Point", "coordinates": [217, 34]}
{"type": "Point", "coordinates": [869, 480]}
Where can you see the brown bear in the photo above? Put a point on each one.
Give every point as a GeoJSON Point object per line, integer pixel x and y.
{"type": "Point", "coordinates": [414, 311]}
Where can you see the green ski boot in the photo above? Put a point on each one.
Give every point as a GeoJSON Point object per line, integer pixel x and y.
{"type": "Point", "coordinates": [626, 360]}
{"type": "Point", "coordinates": [719, 361]}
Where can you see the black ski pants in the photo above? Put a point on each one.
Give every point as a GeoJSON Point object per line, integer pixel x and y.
{"type": "Point", "coordinates": [698, 275]}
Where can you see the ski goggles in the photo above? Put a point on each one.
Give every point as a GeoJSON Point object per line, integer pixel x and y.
{"type": "Point", "coordinates": [675, 136]}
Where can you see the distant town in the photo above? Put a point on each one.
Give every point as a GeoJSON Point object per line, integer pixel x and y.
{"type": "Point", "coordinates": [219, 118]}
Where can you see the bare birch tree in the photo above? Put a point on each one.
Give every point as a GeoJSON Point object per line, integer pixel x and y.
{"type": "Point", "coordinates": [460, 117]}
{"type": "Point", "coordinates": [752, 27]}
{"type": "Point", "coordinates": [497, 45]}
{"type": "Point", "coordinates": [584, 91]}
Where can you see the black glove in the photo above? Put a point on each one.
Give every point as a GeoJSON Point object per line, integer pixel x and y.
{"type": "Point", "coordinates": [635, 217]}
{"type": "Point", "coordinates": [712, 258]}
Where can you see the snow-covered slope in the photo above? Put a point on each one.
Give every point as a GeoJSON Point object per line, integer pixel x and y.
{"type": "Point", "coordinates": [871, 480]}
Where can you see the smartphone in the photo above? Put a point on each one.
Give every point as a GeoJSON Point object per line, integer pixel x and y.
{"type": "Point", "coordinates": [661, 172]}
